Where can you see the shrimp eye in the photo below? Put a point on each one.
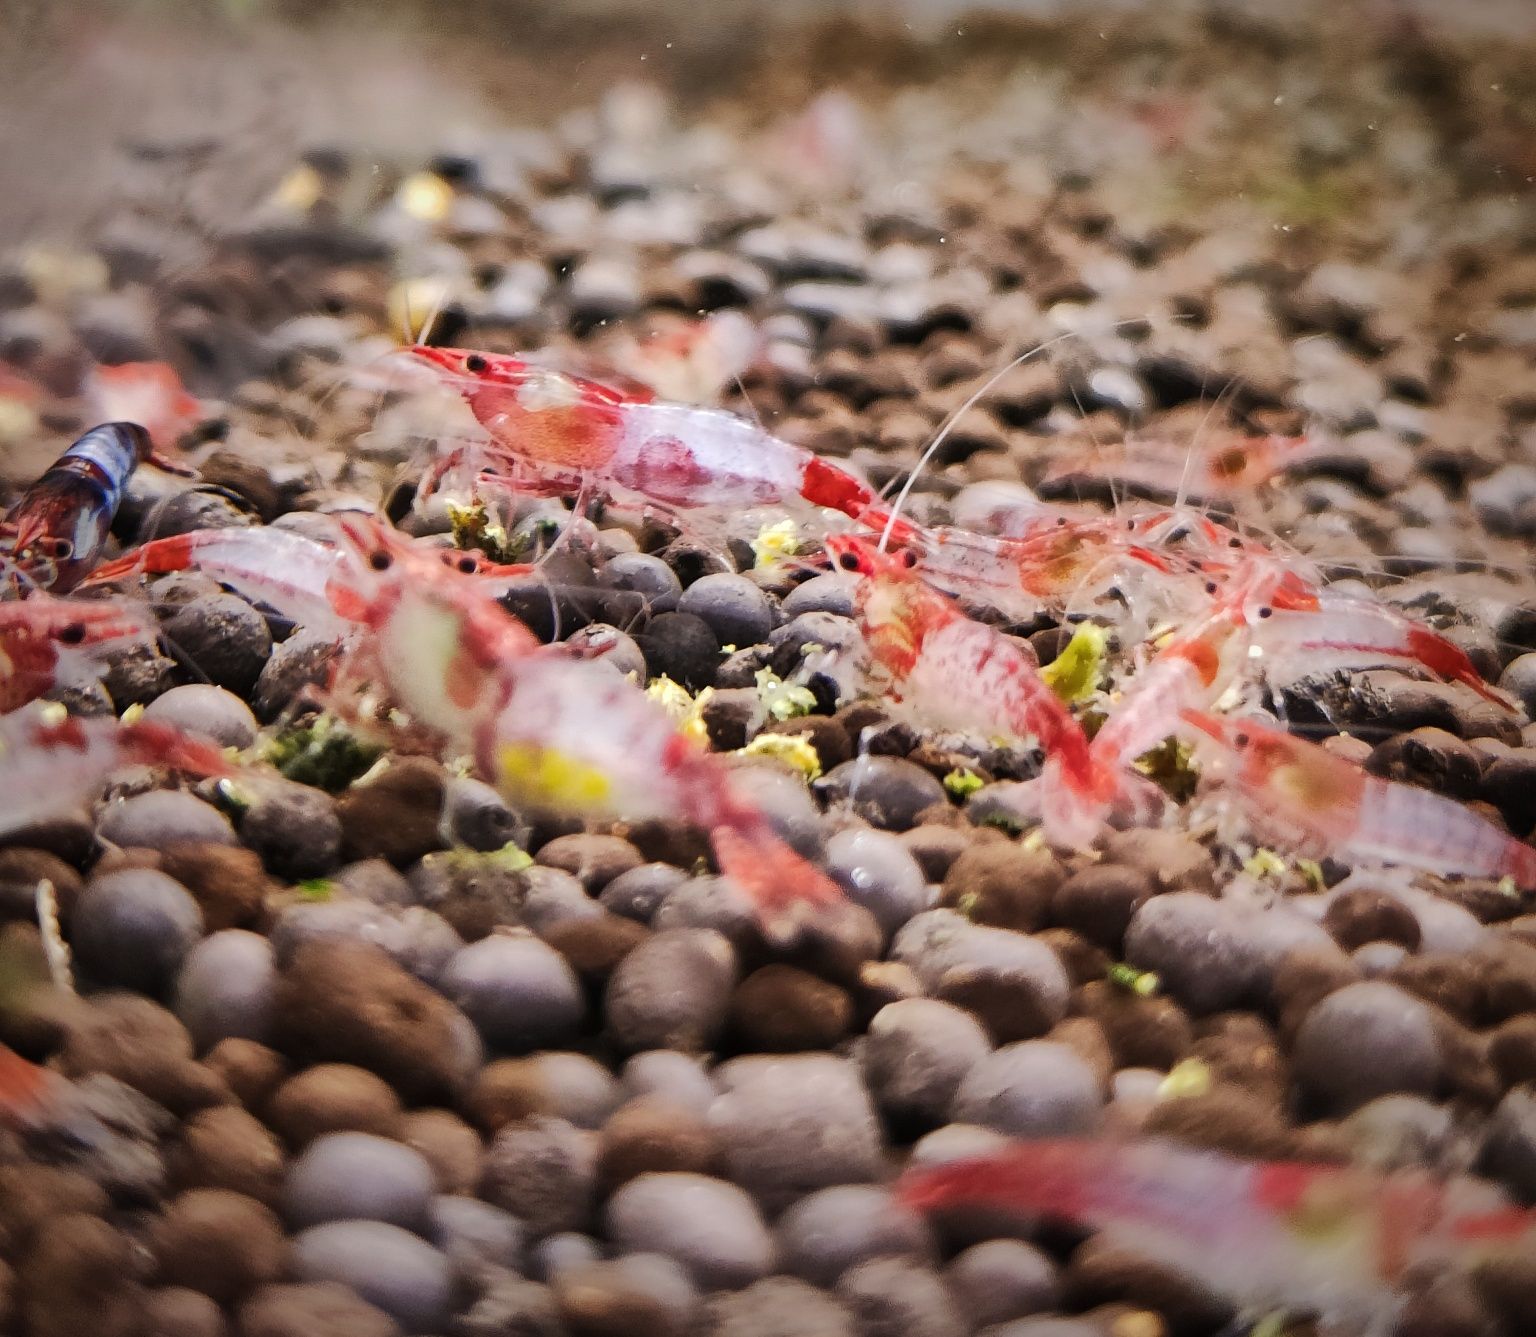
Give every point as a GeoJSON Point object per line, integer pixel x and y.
{"type": "Point", "coordinates": [1211, 587]}
{"type": "Point", "coordinates": [1234, 542]}
{"type": "Point", "coordinates": [849, 561]}
{"type": "Point", "coordinates": [467, 565]}
{"type": "Point", "coordinates": [1265, 612]}
{"type": "Point", "coordinates": [72, 634]}
{"type": "Point", "coordinates": [1241, 740]}
{"type": "Point", "coordinates": [380, 561]}
{"type": "Point", "coordinates": [909, 559]}
{"type": "Point", "coordinates": [475, 363]}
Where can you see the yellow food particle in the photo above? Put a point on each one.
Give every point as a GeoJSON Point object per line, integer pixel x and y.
{"type": "Point", "coordinates": [299, 190]}
{"type": "Point", "coordinates": [783, 700]}
{"type": "Point", "coordinates": [414, 305]}
{"type": "Point", "coordinates": [551, 777]}
{"type": "Point", "coordinates": [962, 783]}
{"type": "Point", "coordinates": [795, 749]}
{"type": "Point", "coordinates": [1265, 863]}
{"type": "Point", "coordinates": [1142, 1323]}
{"type": "Point", "coordinates": [775, 542]}
{"type": "Point", "coordinates": [133, 714]}
{"type": "Point", "coordinates": [1188, 1078]}
{"type": "Point", "coordinates": [426, 196]}
{"type": "Point", "coordinates": [1075, 674]}
{"type": "Point", "coordinates": [686, 709]}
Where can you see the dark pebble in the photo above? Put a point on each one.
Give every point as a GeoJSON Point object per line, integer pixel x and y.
{"type": "Point", "coordinates": [834, 1229]}
{"type": "Point", "coordinates": [518, 991]}
{"type": "Point", "coordinates": [682, 647]}
{"type": "Point", "coordinates": [294, 829]}
{"type": "Point", "coordinates": [1368, 1040]}
{"type": "Point", "coordinates": [543, 1171]}
{"type": "Point", "coordinates": [887, 792]}
{"type": "Point", "coordinates": [734, 608]}
{"type": "Point", "coordinates": [202, 708]}
{"type": "Point", "coordinates": [357, 1176]}
{"type": "Point", "coordinates": [671, 992]}
{"type": "Point", "coordinates": [709, 1226]}
{"type": "Point", "coordinates": [224, 988]}
{"type": "Point", "coordinates": [164, 817]}
{"type": "Point", "coordinates": [224, 637]}
{"type": "Point", "coordinates": [134, 928]}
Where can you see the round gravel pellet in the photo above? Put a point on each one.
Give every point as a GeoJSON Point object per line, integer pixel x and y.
{"type": "Point", "coordinates": [224, 989]}
{"type": "Point", "coordinates": [1367, 1040]}
{"type": "Point", "coordinates": [473, 1233]}
{"type": "Point", "coordinates": [164, 817]}
{"type": "Point", "coordinates": [887, 792]}
{"type": "Point", "coordinates": [671, 992]}
{"type": "Point", "coordinates": [294, 829]}
{"type": "Point", "coordinates": [1036, 1088]}
{"type": "Point", "coordinates": [390, 1268]}
{"type": "Point", "coordinates": [134, 928]}
{"type": "Point", "coordinates": [733, 607]}
{"type": "Point", "coordinates": [1000, 1280]}
{"type": "Point", "coordinates": [635, 894]}
{"type": "Point", "coordinates": [356, 1176]}
{"type": "Point", "coordinates": [710, 1227]}
{"type": "Point", "coordinates": [519, 992]}
{"type": "Point", "coordinates": [879, 873]}
{"type": "Point", "coordinates": [543, 1171]}
{"type": "Point", "coordinates": [916, 1053]}
{"type": "Point", "coordinates": [677, 1078]}
{"type": "Point", "coordinates": [212, 712]}
{"type": "Point", "coordinates": [826, 1233]}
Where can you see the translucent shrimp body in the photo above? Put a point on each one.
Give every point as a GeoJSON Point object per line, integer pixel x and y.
{"type": "Point", "coordinates": [47, 643]}
{"type": "Point", "coordinates": [1308, 797]}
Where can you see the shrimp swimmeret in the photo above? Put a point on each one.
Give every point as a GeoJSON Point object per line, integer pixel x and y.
{"type": "Point", "coordinates": [1324, 1239]}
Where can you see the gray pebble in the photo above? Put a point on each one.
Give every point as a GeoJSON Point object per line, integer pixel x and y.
{"type": "Point", "coordinates": [646, 575]}
{"type": "Point", "coordinates": [827, 1232]}
{"type": "Point", "coordinates": [224, 637]}
{"type": "Point", "coordinates": [569, 1251]}
{"type": "Point", "coordinates": [375, 880]}
{"type": "Point", "coordinates": [390, 1268]}
{"type": "Point", "coordinates": [1509, 1149]}
{"type": "Point", "coordinates": [671, 991]}
{"type": "Point", "coordinates": [294, 829]}
{"type": "Point", "coordinates": [1035, 1088]}
{"type": "Point", "coordinates": [552, 897]}
{"type": "Point", "coordinates": [420, 941]}
{"type": "Point", "coordinates": [736, 610]}
{"type": "Point", "coordinates": [134, 928]}
{"type": "Point", "coordinates": [204, 709]}
{"type": "Point", "coordinates": [711, 903]}
{"type": "Point", "coordinates": [1399, 1133]}
{"type": "Point", "coordinates": [1367, 1040]}
{"type": "Point", "coordinates": [895, 1297]}
{"type": "Point", "coordinates": [710, 1227]}
{"type": "Point", "coordinates": [519, 992]}
{"type": "Point", "coordinates": [1201, 949]}
{"type": "Point", "coordinates": [887, 792]}
{"type": "Point", "coordinates": [303, 660]}
{"type": "Point", "coordinates": [636, 894]}
{"type": "Point", "coordinates": [357, 1176]}
{"type": "Point", "coordinates": [608, 645]}
{"type": "Point", "coordinates": [1000, 1280]}
{"type": "Point", "coordinates": [474, 1233]}
{"type": "Point", "coordinates": [915, 1055]}
{"type": "Point", "coordinates": [544, 1172]}
{"type": "Point", "coordinates": [578, 1088]}
{"type": "Point", "coordinates": [784, 800]}
{"type": "Point", "coordinates": [1519, 680]}
{"type": "Point", "coordinates": [678, 1078]}
{"type": "Point", "coordinates": [879, 873]}
{"type": "Point", "coordinates": [477, 817]}
{"type": "Point", "coordinates": [791, 1125]}
{"type": "Point", "coordinates": [512, 1305]}
{"type": "Point", "coordinates": [778, 1307]}
{"type": "Point", "coordinates": [164, 817]}
{"type": "Point", "coordinates": [224, 989]}
{"type": "Point", "coordinates": [830, 592]}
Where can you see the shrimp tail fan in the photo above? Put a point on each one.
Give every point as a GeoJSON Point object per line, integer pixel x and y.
{"type": "Point", "coordinates": [782, 885]}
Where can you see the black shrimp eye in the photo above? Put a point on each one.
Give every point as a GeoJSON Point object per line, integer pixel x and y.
{"type": "Point", "coordinates": [909, 559]}
{"type": "Point", "coordinates": [1265, 612]}
{"type": "Point", "coordinates": [1211, 587]}
{"type": "Point", "coordinates": [849, 561]}
{"type": "Point", "coordinates": [72, 634]}
{"type": "Point", "coordinates": [380, 561]}
{"type": "Point", "coordinates": [467, 565]}
{"type": "Point", "coordinates": [475, 364]}
{"type": "Point", "coordinates": [1241, 740]}
{"type": "Point", "coordinates": [1234, 542]}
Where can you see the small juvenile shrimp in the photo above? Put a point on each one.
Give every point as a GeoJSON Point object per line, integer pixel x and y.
{"type": "Point", "coordinates": [50, 763]}
{"type": "Point", "coordinates": [693, 362]}
{"type": "Point", "coordinates": [60, 524]}
{"type": "Point", "coordinates": [950, 671]}
{"type": "Point", "coordinates": [1272, 1236]}
{"type": "Point", "coordinates": [1306, 796]}
{"type": "Point", "coordinates": [554, 731]}
{"type": "Point", "coordinates": [1218, 470]}
{"type": "Point", "coordinates": [573, 435]}
{"type": "Point", "coordinates": [47, 642]}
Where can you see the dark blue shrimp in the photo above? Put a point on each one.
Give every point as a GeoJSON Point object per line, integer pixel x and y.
{"type": "Point", "coordinates": [60, 524]}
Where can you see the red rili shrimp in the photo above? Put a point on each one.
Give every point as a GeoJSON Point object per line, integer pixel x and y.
{"type": "Point", "coordinates": [1291, 1236]}
{"type": "Point", "coordinates": [47, 643]}
{"type": "Point", "coordinates": [954, 672]}
{"type": "Point", "coordinates": [51, 762]}
{"type": "Point", "coordinates": [150, 393]}
{"type": "Point", "coordinates": [1217, 470]}
{"type": "Point", "coordinates": [1311, 798]}
{"type": "Point", "coordinates": [556, 732]}
{"type": "Point", "coordinates": [570, 435]}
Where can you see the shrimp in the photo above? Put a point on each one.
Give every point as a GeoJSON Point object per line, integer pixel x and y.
{"type": "Point", "coordinates": [47, 643]}
{"type": "Point", "coordinates": [953, 672]}
{"type": "Point", "coordinates": [51, 762]}
{"type": "Point", "coordinates": [150, 393]}
{"type": "Point", "coordinates": [558, 732]}
{"type": "Point", "coordinates": [1278, 1235]}
{"type": "Point", "coordinates": [59, 525]}
{"type": "Point", "coordinates": [299, 578]}
{"type": "Point", "coordinates": [1219, 470]}
{"type": "Point", "coordinates": [690, 363]}
{"type": "Point", "coordinates": [574, 435]}
{"type": "Point", "coordinates": [1320, 801]}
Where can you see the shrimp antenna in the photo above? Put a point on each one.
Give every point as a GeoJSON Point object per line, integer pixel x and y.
{"type": "Point", "coordinates": [970, 402]}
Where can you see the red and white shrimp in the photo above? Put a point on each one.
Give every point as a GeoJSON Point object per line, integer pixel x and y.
{"type": "Point", "coordinates": [150, 393]}
{"type": "Point", "coordinates": [553, 731]}
{"type": "Point", "coordinates": [46, 643]}
{"type": "Point", "coordinates": [567, 434]}
{"type": "Point", "coordinates": [1303, 795]}
{"type": "Point", "coordinates": [1293, 1236]}
{"type": "Point", "coordinates": [949, 671]}
{"type": "Point", "coordinates": [50, 762]}
{"type": "Point", "coordinates": [1217, 470]}
{"type": "Point", "coordinates": [693, 362]}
